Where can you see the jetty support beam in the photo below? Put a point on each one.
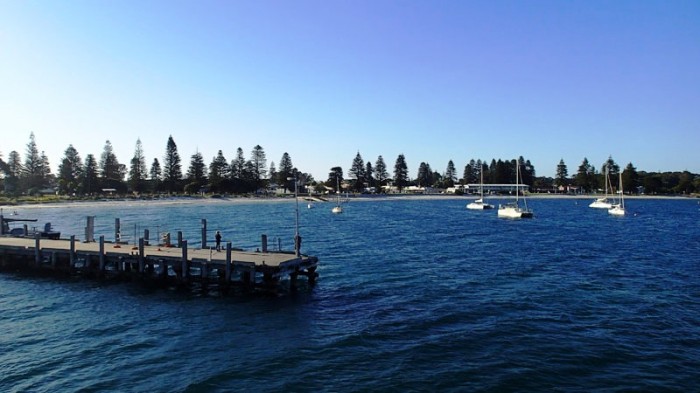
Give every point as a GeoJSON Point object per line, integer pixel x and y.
{"type": "Point", "coordinates": [204, 233]}
{"type": "Point", "coordinates": [71, 255]}
{"type": "Point", "coordinates": [37, 249]}
{"type": "Point", "coordinates": [102, 254]}
{"type": "Point", "coordinates": [185, 264]}
{"type": "Point", "coordinates": [229, 266]}
{"type": "Point", "coordinates": [142, 242]}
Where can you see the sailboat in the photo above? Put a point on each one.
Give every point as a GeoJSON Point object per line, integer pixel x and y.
{"type": "Point", "coordinates": [618, 209]}
{"type": "Point", "coordinates": [603, 203]}
{"type": "Point", "coordinates": [479, 204]}
{"type": "Point", "coordinates": [337, 209]}
{"type": "Point", "coordinates": [513, 209]}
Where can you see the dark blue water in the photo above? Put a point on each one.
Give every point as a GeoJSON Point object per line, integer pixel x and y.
{"type": "Point", "coordinates": [414, 295]}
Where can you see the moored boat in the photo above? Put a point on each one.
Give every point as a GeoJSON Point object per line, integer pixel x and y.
{"type": "Point", "coordinates": [513, 209]}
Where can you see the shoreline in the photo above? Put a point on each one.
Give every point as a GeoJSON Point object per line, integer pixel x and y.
{"type": "Point", "coordinates": [290, 198]}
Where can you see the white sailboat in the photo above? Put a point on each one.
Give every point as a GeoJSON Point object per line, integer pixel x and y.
{"type": "Point", "coordinates": [603, 203]}
{"type": "Point", "coordinates": [618, 209]}
{"type": "Point", "coordinates": [513, 209]}
{"type": "Point", "coordinates": [337, 209]}
{"type": "Point", "coordinates": [479, 204]}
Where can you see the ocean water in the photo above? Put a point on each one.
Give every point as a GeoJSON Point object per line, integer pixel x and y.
{"type": "Point", "coordinates": [413, 295]}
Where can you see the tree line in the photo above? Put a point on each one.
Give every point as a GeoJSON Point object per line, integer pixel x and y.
{"type": "Point", "coordinates": [243, 175]}
{"type": "Point", "coordinates": [588, 179]}
{"type": "Point", "coordinates": [364, 176]}
{"type": "Point", "coordinates": [91, 176]}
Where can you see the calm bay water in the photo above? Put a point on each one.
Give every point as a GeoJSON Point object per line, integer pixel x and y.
{"type": "Point", "coordinates": [414, 295]}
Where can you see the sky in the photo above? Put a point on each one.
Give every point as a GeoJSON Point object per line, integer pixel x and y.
{"type": "Point", "coordinates": [323, 80]}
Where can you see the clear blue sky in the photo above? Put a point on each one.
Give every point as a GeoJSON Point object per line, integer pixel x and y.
{"type": "Point", "coordinates": [322, 80]}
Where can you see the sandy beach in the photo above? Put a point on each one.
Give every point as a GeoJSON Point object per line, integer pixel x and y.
{"type": "Point", "coordinates": [352, 198]}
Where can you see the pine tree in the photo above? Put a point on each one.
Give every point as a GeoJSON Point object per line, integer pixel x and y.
{"type": "Point", "coordinates": [380, 172]}
{"type": "Point", "coordinates": [197, 172]}
{"type": "Point", "coordinates": [109, 165]}
{"type": "Point", "coordinates": [468, 173]}
{"type": "Point", "coordinates": [32, 171]}
{"type": "Point", "coordinates": [585, 176]}
{"type": "Point", "coordinates": [155, 173]}
{"type": "Point", "coordinates": [612, 168]}
{"type": "Point", "coordinates": [425, 175]}
{"type": "Point", "coordinates": [13, 173]}
{"type": "Point", "coordinates": [286, 171]}
{"type": "Point", "coordinates": [335, 177]}
{"type": "Point", "coordinates": [172, 169]}
{"type": "Point", "coordinates": [369, 178]}
{"type": "Point", "coordinates": [45, 170]}
{"type": "Point", "coordinates": [476, 171]}
{"type": "Point", "coordinates": [357, 172]}
{"type": "Point", "coordinates": [238, 165]}
{"type": "Point", "coordinates": [218, 171]}
{"type": "Point", "coordinates": [630, 179]}
{"type": "Point", "coordinates": [137, 171]}
{"type": "Point", "coordinates": [272, 172]}
{"type": "Point", "coordinates": [527, 171]}
{"type": "Point", "coordinates": [450, 174]}
{"type": "Point", "coordinates": [70, 171]}
{"type": "Point", "coordinates": [400, 172]}
{"type": "Point", "coordinates": [90, 180]}
{"type": "Point", "coordinates": [257, 158]}
{"type": "Point", "coordinates": [561, 179]}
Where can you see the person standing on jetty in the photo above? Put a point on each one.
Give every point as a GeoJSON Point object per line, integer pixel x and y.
{"type": "Point", "coordinates": [218, 241]}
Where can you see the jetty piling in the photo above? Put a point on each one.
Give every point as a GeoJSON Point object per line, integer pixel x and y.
{"type": "Point", "coordinates": [204, 233]}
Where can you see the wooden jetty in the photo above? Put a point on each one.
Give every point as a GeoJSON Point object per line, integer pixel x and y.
{"type": "Point", "coordinates": [226, 269]}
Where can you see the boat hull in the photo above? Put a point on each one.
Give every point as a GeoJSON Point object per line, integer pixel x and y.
{"type": "Point", "coordinates": [601, 203]}
{"type": "Point", "coordinates": [617, 210]}
{"type": "Point", "coordinates": [513, 212]}
{"type": "Point", "coordinates": [479, 206]}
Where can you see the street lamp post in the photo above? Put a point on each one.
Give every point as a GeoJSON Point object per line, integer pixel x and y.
{"type": "Point", "coordinates": [297, 239]}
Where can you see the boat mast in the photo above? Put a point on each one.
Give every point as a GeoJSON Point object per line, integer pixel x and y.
{"type": "Point", "coordinates": [337, 184]}
{"type": "Point", "coordinates": [607, 180]}
{"type": "Point", "coordinates": [481, 185]}
{"type": "Point", "coordinates": [517, 191]}
{"type": "Point", "coordinates": [622, 193]}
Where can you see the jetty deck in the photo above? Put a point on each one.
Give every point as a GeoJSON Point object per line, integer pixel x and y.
{"type": "Point", "coordinates": [183, 265]}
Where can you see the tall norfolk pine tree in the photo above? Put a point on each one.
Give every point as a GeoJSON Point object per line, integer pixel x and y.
{"type": "Point", "coordinates": [33, 169]}
{"type": "Point", "coordinates": [196, 174]}
{"type": "Point", "coordinates": [70, 172]}
{"type": "Point", "coordinates": [218, 172]}
{"type": "Point", "coordinates": [13, 173]}
{"type": "Point", "coordinates": [450, 174]}
{"type": "Point", "coordinates": [172, 169]}
{"type": "Point", "coordinates": [400, 172]}
{"type": "Point", "coordinates": [561, 178]}
{"type": "Point", "coordinates": [137, 170]}
{"type": "Point", "coordinates": [357, 172]}
{"type": "Point", "coordinates": [285, 171]}
{"type": "Point", "coordinates": [425, 175]}
{"type": "Point", "coordinates": [90, 182]}
{"type": "Point", "coordinates": [380, 172]}
{"type": "Point", "coordinates": [585, 177]}
{"type": "Point", "coordinates": [155, 173]}
{"type": "Point", "coordinates": [257, 158]}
